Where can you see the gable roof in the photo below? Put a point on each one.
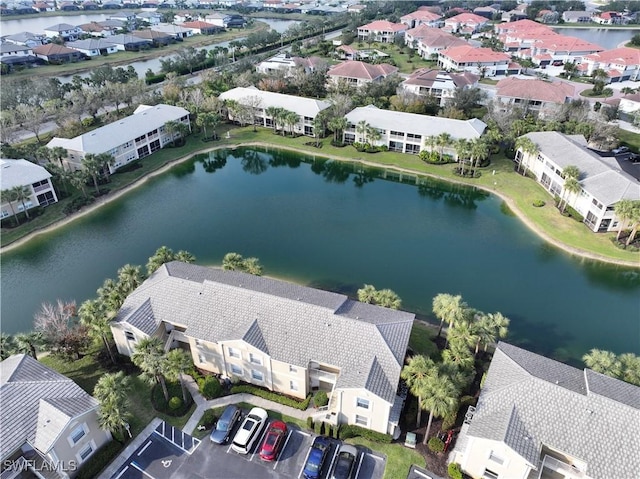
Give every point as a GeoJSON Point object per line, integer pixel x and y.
{"type": "Point", "coordinates": [466, 18]}
{"type": "Point", "coordinates": [60, 27]}
{"type": "Point", "coordinates": [529, 401]}
{"type": "Point", "coordinates": [417, 124]}
{"type": "Point", "coordinates": [383, 26]}
{"type": "Point", "coordinates": [535, 89]}
{"type": "Point", "coordinates": [471, 54]}
{"type": "Point", "coordinates": [54, 49]}
{"type": "Point", "coordinates": [361, 70]}
{"type": "Point", "coordinates": [20, 173]}
{"type": "Point", "coordinates": [602, 177]}
{"type": "Point", "coordinates": [556, 43]}
{"type": "Point", "coordinates": [429, 77]}
{"type": "Point", "coordinates": [368, 342]}
{"type": "Point", "coordinates": [421, 15]}
{"type": "Point", "coordinates": [435, 37]}
{"type": "Point", "coordinates": [91, 44]}
{"type": "Point", "coordinates": [618, 56]}
{"type": "Point", "coordinates": [37, 404]}
{"type": "Point", "coordinates": [302, 106]}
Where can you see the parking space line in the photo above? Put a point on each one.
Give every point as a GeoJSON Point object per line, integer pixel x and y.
{"type": "Point", "coordinates": [122, 472]}
{"type": "Point", "coordinates": [266, 429]}
{"type": "Point", "coordinates": [145, 447]}
{"type": "Point", "coordinates": [333, 459]}
{"type": "Point", "coordinates": [229, 448]}
{"type": "Point", "coordinates": [304, 463]}
{"type": "Point", "coordinates": [375, 457]}
{"type": "Point", "coordinates": [282, 450]}
{"type": "Point", "coordinates": [303, 433]}
{"type": "Point", "coordinates": [141, 470]}
{"type": "Point", "coordinates": [359, 465]}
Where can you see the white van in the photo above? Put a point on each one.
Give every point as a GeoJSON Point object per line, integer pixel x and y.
{"type": "Point", "coordinates": [249, 430]}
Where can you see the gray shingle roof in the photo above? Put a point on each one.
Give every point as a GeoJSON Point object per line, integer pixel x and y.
{"type": "Point", "coordinates": [302, 106]}
{"type": "Point", "coordinates": [20, 173]}
{"type": "Point", "coordinates": [594, 419]}
{"type": "Point", "coordinates": [601, 177]}
{"type": "Point", "coordinates": [36, 403]}
{"type": "Point", "coordinates": [292, 323]}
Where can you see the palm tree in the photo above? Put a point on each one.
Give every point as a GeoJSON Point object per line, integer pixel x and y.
{"type": "Point", "coordinates": [129, 278]}
{"type": "Point", "coordinates": [635, 221]}
{"type": "Point", "coordinates": [97, 318]}
{"type": "Point", "coordinates": [604, 362]}
{"type": "Point", "coordinates": [490, 327]}
{"type": "Point", "coordinates": [463, 150]}
{"type": "Point", "coordinates": [463, 334]}
{"type": "Point", "coordinates": [150, 357]}
{"type": "Point", "coordinates": [59, 153]}
{"type": "Point", "coordinates": [479, 151]}
{"type": "Point", "coordinates": [178, 363]}
{"type": "Point", "coordinates": [161, 256]}
{"type": "Point", "coordinates": [430, 143]}
{"type": "Point", "coordinates": [441, 400]}
{"type": "Point", "coordinates": [291, 118]}
{"type": "Point", "coordinates": [22, 194]}
{"type": "Point", "coordinates": [443, 140]}
{"type": "Point", "coordinates": [7, 346]}
{"type": "Point", "coordinates": [232, 262]}
{"type": "Point", "coordinates": [208, 120]}
{"type": "Point", "coordinates": [449, 308]}
{"type": "Point", "coordinates": [252, 266]}
{"type": "Point", "coordinates": [273, 112]}
{"type": "Point", "coordinates": [185, 257]}
{"type": "Point", "coordinates": [9, 196]}
{"type": "Point", "coordinates": [630, 365]}
{"type": "Point", "coordinates": [571, 186]}
{"type": "Point", "coordinates": [599, 77]}
{"type": "Point", "coordinates": [627, 91]}
{"type": "Point", "coordinates": [28, 343]}
{"type": "Point", "coordinates": [111, 391]}
{"type": "Point", "coordinates": [78, 180]}
{"type": "Point", "coordinates": [373, 134]}
{"type": "Point", "coordinates": [171, 129]}
{"type": "Point", "coordinates": [92, 166]}
{"type": "Point", "coordinates": [110, 295]}
{"type": "Point", "coordinates": [319, 126]}
{"type": "Point", "coordinates": [106, 161]}
{"type": "Point", "coordinates": [362, 128]}
{"type": "Point", "coordinates": [458, 354]}
{"type": "Point", "coordinates": [624, 212]}
{"type": "Point", "coordinates": [418, 373]}
{"type": "Point", "coordinates": [338, 125]}
{"type": "Point", "coordinates": [367, 294]}
{"type": "Point", "coordinates": [526, 146]}
{"type": "Point", "coordinates": [388, 299]}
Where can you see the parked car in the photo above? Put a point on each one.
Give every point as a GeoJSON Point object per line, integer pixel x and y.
{"type": "Point", "coordinates": [345, 464]}
{"type": "Point", "coordinates": [249, 430]}
{"type": "Point", "coordinates": [222, 431]}
{"type": "Point", "coordinates": [273, 441]}
{"type": "Point", "coordinates": [557, 63]}
{"type": "Point", "coordinates": [317, 456]}
{"type": "Point", "coordinates": [634, 158]}
{"type": "Point", "coordinates": [620, 150]}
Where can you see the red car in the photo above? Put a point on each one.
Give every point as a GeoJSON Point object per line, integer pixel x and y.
{"type": "Point", "coordinates": [273, 441]}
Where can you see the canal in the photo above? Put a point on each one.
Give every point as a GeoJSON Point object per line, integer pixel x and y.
{"type": "Point", "coordinates": [321, 223]}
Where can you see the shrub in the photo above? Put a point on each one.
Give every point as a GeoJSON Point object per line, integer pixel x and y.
{"type": "Point", "coordinates": [317, 427]}
{"type": "Point", "coordinates": [336, 431]}
{"type": "Point", "coordinates": [435, 444]}
{"type": "Point", "coordinates": [448, 421]}
{"type": "Point", "coordinates": [349, 430]}
{"type": "Point", "coordinates": [208, 419]}
{"type": "Point", "coordinates": [77, 203]}
{"type": "Point", "coordinates": [271, 396]}
{"type": "Point", "coordinates": [320, 399]}
{"type": "Point", "coordinates": [309, 422]}
{"type": "Point", "coordinates": [175, 403]}
{"type": "Point", "coordinates": [538, 203]}
{"type": "Point", "coordinates": [210, 387]}
{"type": "Point", "coordinates": [160, 404]}
{"type": "Point", "coordinates": [454, 471]}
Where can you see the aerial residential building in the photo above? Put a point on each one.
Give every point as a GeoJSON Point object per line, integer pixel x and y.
{"type": "Point", "coordinates": [608, 18]}
{"type": "Point", "coordinates": [26, 174]}
{"type": "Point", "coordinates": [199, 27]}
{"type": "Point", "coordinates": [518, 13]}
{"type": "Point", "coordinates": [421, 17]}
{"type": "Point", "coordinates": [539, 418]}
{"type": "Point", "coordinates": [11, 54]}
{"type": "Point", "coordinates": [621, 64]}
{"type": "Point", "coordinates": [359, 73]}
{"type": "Point", "coordinates": [534, 95]}
{"type": "Point", "coordinates": [56, 54]}
{"type": "Point", "coordinates": [130, 43]}
{"type": "Point", "coordinates": [128, 139]}
{"type": "Point", "coordinates": [175, 31]}
{"type": "Point", "coordinates": [93, 47]}
{"type": "Point", "coordinates": [603, 180]}
{"type": "Point", "coordinates": [287, 64]}
{"type": "Point", "coordinates": [406, 132]}
{"type": "Point", "coordinates": [560, 48]}
{"type": "Point", "coordinates": [523, 34]}
{"type": "Point", "coordinates": [151, 18]}
{"type": "Point", "coordinates": [96, 29]}
{"type": "Point", "coordinates": [429, 41]}
{"type": "Point", "coordinates": [487, 12]}
{"type": "Point", "coordinates": [158, 39]}
{"type": "Point", "coordinates": [576, 16]}
{"type": "Point", "coordinates": [381, 31]}
{"type": "Point", "coordinates": [465, 23]}
{"type": "Point", "coordinates": [63, 30]}
{"type": "Point", "coordinates": [258, 101]}
{"type": "Point", "coordinates": [440, 84]}
{"type": "Point", "coordinates": [287, 338]}
{"type": "Point", "coordinates": [49, 425]}
{"type": "Point", "coordinates": [480, 61]}
{"type": "Point", "coordinates": [26, 39]}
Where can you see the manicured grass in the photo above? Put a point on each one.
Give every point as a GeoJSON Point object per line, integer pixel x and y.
{"type": "Point", "coordinates": [421, 339]}
{"type": "Point", "coordinates": [399, 458]}
{"type": "Point", "coordinates": [488, 81]}
{"type": "Point", "coordinates": [205, 432]}
{"type": "Point", "coordinates": [630, 139]}
{"type": "Point", "coordinates": [276, 415]}
{"type": "Point", "coordinates": [85, 371]}
{"type": "Point", "coordinates": [607, 92]}
{"type": "Point", "coordinates": [403, 61]}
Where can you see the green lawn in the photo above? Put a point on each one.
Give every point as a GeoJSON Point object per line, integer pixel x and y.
{"type": "Point", "coordinates": [399, 458]}
{"type": "Point", "coordinates": [421, 339]}
{"type": "Point", "coordinates": [630, 139]}
{"type": "Point", "coordinates": [402, 59]}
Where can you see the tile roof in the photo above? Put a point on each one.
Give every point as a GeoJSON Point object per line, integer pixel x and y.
{"type": "Point", "coordinates": [600, 176]}
{"type": "Point", "coordinates": [557, 43]}
{"type": "Point", "coordinates": [368, 342]}
{"type": "Point", "coordinates": [53, 49]}
{"type": "Point", "coordinates": [617, 56]}
{"type": "Point", "coordinates": [429, 77]}
{"type": "Point", "coordinates": [435, 37]}
{"type": "Point", "coordinates": [529, 401]}
{"type": "Point", "coordinates": [421, 15]}
{"type": "Point", "coordinates": [471, 54]}
{"type": "Point", "coordinates": [383, 26]}
{"type": "Point", "coordinates": [417, 124]}
{"type": "Point", "coordinates": [60, 27]}
{"type": "Point", "coordinates": [467, 19]}
{"type": "Point", "coordinates": [535, 89]}
{"type": "Point", "coordinates": [107, 137]}
{"type": "Point", "coordinates": [302, 106]}
{"type": "Point", "coordinates": [91, 44]}
{"type": "Point", "coordinates": [37, 404]}
{"type": "Point", "coordinates": [361, 70]}
{"type": "Point", "coordinates": [20, 173]}
{"type": "Point", "coordinates": [199, 24]}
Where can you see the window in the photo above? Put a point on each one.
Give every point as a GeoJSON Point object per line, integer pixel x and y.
{"type": "Point", "coordinates": [77, 434]}
{"type": "Point", "coordinates": [201, 358]}
{"type": "Point", "coordinates": [362, 420]}
{"type": "Point", "coordinates": [293, 385]}
{"type": "Point", "coordinates": [489, 474]}
{"type": "Point", "coordinates": [292, 369]}
{"type": "Point", "coordinates": [255, 359]}
{"type": "Point", "coordinates": [362, 403]}
{"type": "Point", "coordinates": [257, 375]}
{"type": "Point", "coordinates": [237, 370]}
{"type": "Point", "coordinates": [234, 353]}
{"type": "Point", "coordinates": [85, 453]}
{"type": "Point", "coordinates": [129, 336]}
{"type": "Point", "coordinates": [495, 458]}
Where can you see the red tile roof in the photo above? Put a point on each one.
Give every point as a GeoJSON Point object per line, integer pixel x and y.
{"type": "Point", "coordinates": [361, 70]}
{"type": "Point", "coordinates": [554, 92]}
{"type": "Point", "coordinates": [565, 43]}
{"type": "Point", "coordinates": [383, 26]}
{"type": "Point", "coordinates": [470, 54]}
{"type": "Point", "coordinates": [199, 24]}
{"type": "Point", "coordinates": [428, 76]}
{"type": "Point", "coordinates": [435, 37]}
{"type": "Point", "coordinates": [53, 49]}
{"type": "Point", "coordinates": [618, 56]}
{"type": "Point", "coordinates": [467, 18]}
{"type": "Point", "coordinates": [422, 15]}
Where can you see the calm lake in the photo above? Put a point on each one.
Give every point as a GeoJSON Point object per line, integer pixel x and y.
{"type": "Point", "coordinates": [323, 224]}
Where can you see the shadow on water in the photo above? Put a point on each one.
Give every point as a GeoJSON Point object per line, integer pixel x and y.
{"type": "Point", "coordinates": [213, 161]}
{"type": "Point", "coordinates": [335, 286]}
{"type": "Point", "coordinates": [254, 162]}
{"type": "Point", "coordinates": [453, 194]}
{"type": "Point", "coordinates": [611, 277]}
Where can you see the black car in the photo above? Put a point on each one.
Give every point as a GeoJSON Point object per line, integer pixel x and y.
{"type": "Point", "coordinates": [345, 464]}
{"type": "Point", "coordinates": [229, 418]}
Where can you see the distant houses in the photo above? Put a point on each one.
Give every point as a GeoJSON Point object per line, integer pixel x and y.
{"type": "Point", "coordinates": [534, 95]}
{"type": "Point", "coordinates": [440, 84]}
{"type": "Point", "coordinates": [358, 73]}
{"type": "Point", "coordinates": [480, 61]}
{"type": "Point", "coordinates": [23, 173]}
{"type": "Point", "coordinates": [621, 64]}
{"type": "Point", "coordinates": [381, 31]}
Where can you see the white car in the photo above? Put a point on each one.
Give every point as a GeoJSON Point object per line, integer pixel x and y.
{"type": "Point", "coordinates": [249, 430]}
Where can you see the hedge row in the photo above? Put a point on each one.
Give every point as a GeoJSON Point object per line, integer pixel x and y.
{"type": "Point", "coordinates": [349, 430]}
{"type": "Point", "coordinates": [271, 396]}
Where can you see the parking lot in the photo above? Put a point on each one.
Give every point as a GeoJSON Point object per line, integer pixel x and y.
{"type": "Point", "coordinates": [171, 454]}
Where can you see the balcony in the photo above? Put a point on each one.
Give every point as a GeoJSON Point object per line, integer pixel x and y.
{"type": "Point", "coordinates": [552, 468]}
{"type": "Point", "coordinates": [40, 188]}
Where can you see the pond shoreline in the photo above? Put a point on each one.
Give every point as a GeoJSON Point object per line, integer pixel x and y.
{"type": "Point", "coordinates": [508, 201]}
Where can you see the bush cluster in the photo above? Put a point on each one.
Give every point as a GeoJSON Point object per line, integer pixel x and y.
{"type": "Point", "coordinates": [369, 148]}
{"type": "Point", "coordinates": [77, 203]}
{"type": "Point", "coordinates": [538, 203]}
{"type": "Point", "coordinates": [208, 419]}
{"type": "Point", "coordinates": [271, 396]}
{"type": "Point", "coordinates": [349, 430]}
{"type": "Point", "coordinates": [320, 399]}
{"type": "Point", "coordinates": [210, 387]}
{"type": "Point", "coordinates": [175, 403]}
{"type": "Point", "coordinates": [454, 471]}
{"type": "Point", "coordinates": [435, 444]}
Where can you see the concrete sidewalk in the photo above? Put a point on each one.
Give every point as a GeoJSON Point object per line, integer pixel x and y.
{"type": "Point", "coordinates": [202, 405]}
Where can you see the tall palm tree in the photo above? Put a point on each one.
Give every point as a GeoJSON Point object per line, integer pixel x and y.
{"type": "Point", "coordinates": [338, 125]}
{"type": "Point", "coordinates": [528, 147]}
{"type": "Point", "coordinates": [111, 391]}
{"type": "Point", "coordinates": [635, 221]}
{"type": "Point", "coordinates": [463, 150]}
{"type": "Point", "coordinates": [443, 140]}
{"type": "Point", "coordinates": [571, 186]}
{"type": "Point", "coordinates": [171, 129]}
{"type": "Point", "coordinates": [463, 333]}
{"type": "Point", "coordinates": [419, 373]}
{"type": "Point", "coordinates": [362, 128]}
{"type": "Point", "coordinates": [373, 134]}
{"type": "Point", "coordinates": [457, 353]}
{"type": "Point", "coordinates": [178, 363]}
{"type": "Point", "coordinates": [430, 143]}
{"type": "Point", "coordinates": [490, 327]}
{"type": "Point", "coordinates": [273, 112]}
{"type": "Point", "coordinates": [291, 119]}
{"type": "Point", "coordinates": [129, 278]}
{"type": "Point", "coordinates": [59, 153]}
{"type": "Point", "coordinates": [92, 166]}
{"type": "Point", "coordinates": [9, 196]}
{"type": "Point", "coordinates": [28, 343]}
{"type": "Point", "coordinates": [449, 308]}
{"type": "Point", "coordinates": [604, 362]}
{"type": "Point", "coordinates": [161, 256]}
{"type": "Point", "coordinates": [22, 194]}
{"type": "Point", "coordinates": [208, 120]}
{"type": "Point", "coordinates": [94, 315]}
{"type": "Point", "coordinates": [319, 126]}
{"type": "Point", "coordinates": [78, 180]}
{"type": "Point", "coordinates": [624, 212]}
{"type": "Point", "coordinates": [441, 400]}
{"type": "Point", "coordinates": [110, 295]}
{"type": "Point", "coordinates": [232, 262]}
{"type": "Point", "coordinates": [106, 161]}
{"type": "Point", "coordinates": [479, 151]}
{"type": "Point", "coordinates": [7, 346]}
{"type": "Point", "coordinates": [185, 257]}
{"type": "Point", "coordinates": [150, 357]}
